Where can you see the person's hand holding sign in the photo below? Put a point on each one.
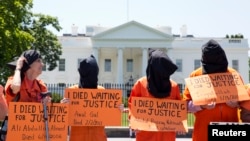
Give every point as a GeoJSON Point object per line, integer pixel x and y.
{"type": "Point", "coordinates": [232, 104]}
{"type": "Point", "coordinates": [210, 105]}
{"type": "Point", "coordinates": [65, 100]}
{"type": "Point", "coordinates": [121, 107]}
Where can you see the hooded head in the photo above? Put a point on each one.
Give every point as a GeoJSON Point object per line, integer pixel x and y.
{"type": "Point", "coordinates": [214, 59]}
{"type": "Point", "coordinates": [158, 72]}
{"type": "Point", "coordinates": [30, 55]}
{"type": "Point", "coordinates": [88, 71]}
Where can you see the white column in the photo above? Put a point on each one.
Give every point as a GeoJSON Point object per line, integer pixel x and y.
{"type": "Point", "coordinates": [120, 66]}
{"type": "Point", "coordinates": [96, 54]}
{"type": "Point", "coordinates": [144, 60]}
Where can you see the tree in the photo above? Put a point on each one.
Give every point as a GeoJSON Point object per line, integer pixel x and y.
{"type": "Point", "coordinates": [20, 29]}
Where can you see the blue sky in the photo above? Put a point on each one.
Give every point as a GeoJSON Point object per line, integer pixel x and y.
{"type": "Point", "coordinates": [203, 18]}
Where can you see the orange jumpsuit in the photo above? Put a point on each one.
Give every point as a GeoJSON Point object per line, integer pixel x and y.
{"type": "Point", "coordinates": [244, 113]}
{"type": "Point", "coordinates": [221, 113]}
{"type": "Point", "coordinates": [88, 133]}
{"type": "Point", "coordinates": [140, 90]}
{"type": "Point", "coordinates": [27, 94]}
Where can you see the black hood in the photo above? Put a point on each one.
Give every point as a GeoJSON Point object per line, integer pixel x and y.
{"type": "Point", "coordinates": [158, 72]}
{"type": "Point", "coordinates": [214, 59]}
{"type": "Point", "coordinates": [88, 70]}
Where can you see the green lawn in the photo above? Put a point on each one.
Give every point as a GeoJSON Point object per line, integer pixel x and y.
{"type": "Point", "coordinates": [124, 119]}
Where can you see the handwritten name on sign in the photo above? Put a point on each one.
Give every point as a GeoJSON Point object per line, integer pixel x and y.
{"type": "Point", "coordinates": [26, 121]}
{"type": "Point", "coordinates": [219, 86]}
{"type": "Point", "coordinates": [94, 107]}
{"type": "Point", "coordinates": [152, 114]}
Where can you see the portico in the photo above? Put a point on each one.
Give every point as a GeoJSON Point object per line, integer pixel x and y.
{"type": "Point", "coordinates": [128, 41]}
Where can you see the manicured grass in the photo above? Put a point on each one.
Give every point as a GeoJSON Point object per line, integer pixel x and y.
{"type": "Point", "coordinates": [125, 119]}
{"type": "Point", "coordinates": [191, 119]}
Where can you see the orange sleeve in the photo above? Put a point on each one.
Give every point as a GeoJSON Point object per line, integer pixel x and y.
{"type": "Point", "coordinates": [135, 92]}
{"type": "Point", "coordinates": [186, 93]}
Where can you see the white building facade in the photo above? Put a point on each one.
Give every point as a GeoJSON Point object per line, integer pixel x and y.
{"type": "Point", "coordinates": [122, 53]}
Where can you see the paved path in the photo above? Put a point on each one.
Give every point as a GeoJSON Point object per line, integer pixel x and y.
{"type": "Point", "coordinates": [133, 139]}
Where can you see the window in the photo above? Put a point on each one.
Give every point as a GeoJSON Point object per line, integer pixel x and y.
{"type": "Point", "coordinates": [197, 63]}
{"type": "Point", "coordinates": [129, 65]}
{"type": "Point", "coordinates": [107, 66]}
{"type": "Point", "coordinates": [179, 65]}
{"type": "Point", "coordinates": [62, 65]}
{"type": "Point", "coordinates": [235, 64]}
{"type": "Point", "coordinates": [90, 29]}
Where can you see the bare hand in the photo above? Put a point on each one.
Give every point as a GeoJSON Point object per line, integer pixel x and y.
{"type": "Point", "coordinates": [46, 99]}
{"type": "Point", "coordinates": [20, 62]}
{"type": "Point", "coordinates": [121, 107]}
{"type": "Point", "coordinates": [65, 100]}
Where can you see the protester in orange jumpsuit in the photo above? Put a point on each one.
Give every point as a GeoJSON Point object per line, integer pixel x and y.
{"type": "Point", "coordinates": [213, 60]}
{"type": "Point", "coordinates": [88, 71]}
{"type": "Point", "coordinates": [156, 84]}
{"type": "Point", "coordinates": [25, 79]}
{"type": "Point", "coordinates": [245, 107]}
{"type": "Point", "coordinates": [3, 104]}
{"type": "Point", "coordinates": [24, 85]}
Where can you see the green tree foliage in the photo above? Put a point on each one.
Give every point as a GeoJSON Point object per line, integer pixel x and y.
{"type": "Point", "coordinates": [20, 29]}
{"type": "Point", "coordinates": [239, 36]}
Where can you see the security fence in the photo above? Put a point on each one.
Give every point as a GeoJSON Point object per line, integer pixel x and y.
{"type": "Point", "coordinates": [57, 91]}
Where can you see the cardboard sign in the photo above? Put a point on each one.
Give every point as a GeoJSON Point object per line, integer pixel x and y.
{"type": "Point", "coordinates": [221, 87]}
{"type": "Point", "coordinates": [94, 107]}
{"type": "Point", "coordinates": [153, 114]}
{"type": "Point", "coordinates": [26, 122]}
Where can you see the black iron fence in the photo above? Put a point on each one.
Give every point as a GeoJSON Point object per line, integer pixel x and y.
{"type": "Point", "coordinates": [126, 88]}
{"type": "Point", "coordinates": [58, 89]}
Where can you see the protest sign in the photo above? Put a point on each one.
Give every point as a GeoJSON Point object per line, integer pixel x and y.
{"type": "Point", "coordinates": [153, 114]}
{"type": "Point", "coordinates": [26, 122]}
{"type": "Point", "coordinates": [220, 87]}
{"type": "Point", "coordinates": [94, 107]}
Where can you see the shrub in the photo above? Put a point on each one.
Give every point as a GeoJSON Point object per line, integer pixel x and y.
{"type": "Point", "coordinates": [56, 98]}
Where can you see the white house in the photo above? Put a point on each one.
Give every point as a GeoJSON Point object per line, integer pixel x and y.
{"type": "Point", "coordinates": [122, 52]}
